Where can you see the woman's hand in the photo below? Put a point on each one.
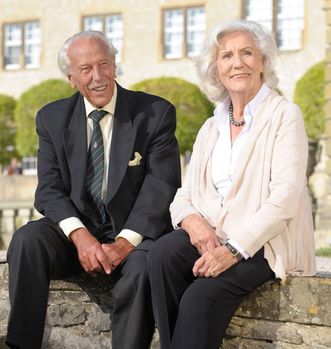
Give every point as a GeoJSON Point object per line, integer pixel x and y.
{"type": "Point", "coordinates": [213, 263]}
{"type": "Point", "coordinates": [202, 235]}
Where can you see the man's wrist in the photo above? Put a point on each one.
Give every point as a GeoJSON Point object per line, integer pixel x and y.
{"type": "Point", "coordinates": [235, 253]}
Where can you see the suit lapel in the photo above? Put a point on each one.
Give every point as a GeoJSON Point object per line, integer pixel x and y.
{"type": "Point", "coordinates": [75, 144]}
{"type": "Point", "coordinates": [123, 139]}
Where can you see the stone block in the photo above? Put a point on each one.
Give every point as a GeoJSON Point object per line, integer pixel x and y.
{"type": "Point", "coordinates": [74, 338]}
{"type": "Point", "coordinates": [271, 330]}
{"type": "Point", "coordinates": [291, 301]}
{"type": "Point", "coordinates": [4, 313]}
{"type": "Point", "coordinates": [98, 319]}
{"type": "Point", "coordinates": [65, 314]}
{"type": "Point", "coordinates": [243, 343]}
{"type": "Point", "coordinates": [315, 336]}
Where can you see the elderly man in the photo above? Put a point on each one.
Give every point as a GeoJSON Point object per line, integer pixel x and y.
{"type": "Point", "coordinates": [108, 168]}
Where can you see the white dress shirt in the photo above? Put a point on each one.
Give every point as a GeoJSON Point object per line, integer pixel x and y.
{"type": "Point", "coordinates": [225, 155]}
{"type": "Point", "coordinates": [106, 124]}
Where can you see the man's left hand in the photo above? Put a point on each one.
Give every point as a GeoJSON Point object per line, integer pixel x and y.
{"type": "Point", "coordinates": [117, 251]}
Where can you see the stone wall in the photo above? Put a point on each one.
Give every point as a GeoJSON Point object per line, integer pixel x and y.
{"type": "Point", "coordinates": [296, 315]}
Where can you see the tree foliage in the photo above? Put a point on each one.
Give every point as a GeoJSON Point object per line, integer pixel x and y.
{"type": "Point", "coordinates": [192, 106]}
{"type": "Point", "coordinates": [27, 107]}
{"type": "Point", "coordinates": [309, 95]}
{"type": "Point", "coordinates": [8, 128]}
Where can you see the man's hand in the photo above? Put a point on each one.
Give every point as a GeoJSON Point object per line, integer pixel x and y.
{"type": "Point", "coordinates": [117, 251]}
{"type": "Point", "coordinates": [202, 235]}
{"type": "Point", "coordinates": [213, 263]}
{"type": "Point", "coordinates": [90, 253]}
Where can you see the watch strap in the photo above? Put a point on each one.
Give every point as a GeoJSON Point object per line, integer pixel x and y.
{"type": "Point", "coordinates": [235, 253]}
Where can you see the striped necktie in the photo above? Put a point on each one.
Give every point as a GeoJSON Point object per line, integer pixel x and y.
{"type": "Point", "coordinates": [95, 166]}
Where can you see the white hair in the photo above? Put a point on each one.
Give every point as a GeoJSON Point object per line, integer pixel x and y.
{"type": "Point", "coordinates": [63, 59]}
{"type": "Point", "coordinates": [207, 70]}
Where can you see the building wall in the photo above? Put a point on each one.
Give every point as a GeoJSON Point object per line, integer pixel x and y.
{"type": "Point", "coordinates": [142, 53]}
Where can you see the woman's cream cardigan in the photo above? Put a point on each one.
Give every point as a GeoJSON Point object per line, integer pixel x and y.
{"type": "Point", "coordinates": [268, 203]}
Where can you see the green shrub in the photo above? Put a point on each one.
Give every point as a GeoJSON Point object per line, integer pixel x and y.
{"type": "Point", "coordinates": [192, 106]}
{"type": "Point", "coordinates": [28, 105]}
{"type": "Point", "coordinates": [309, 95]}
{"type": "Point", "coordinates": [8, 128]}
{"type": "Point", "coordinates": [323, 252]}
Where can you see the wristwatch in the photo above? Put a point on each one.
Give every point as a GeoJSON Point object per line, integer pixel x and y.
{"type": "Point", "coordinates": [235, 253]}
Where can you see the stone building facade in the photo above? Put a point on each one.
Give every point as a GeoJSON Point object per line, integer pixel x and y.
{"type": "Point", "coordinates": [321, 179]}
{"type": "Point", "coordinates": [142, 26]}
{"type": "Point", "coordinates": [31, 33]}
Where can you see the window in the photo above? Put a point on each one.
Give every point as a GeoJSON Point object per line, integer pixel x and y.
{"type": "Point", "coordinates": [22, 44]}
{"type": "Point", "coordinates": [111, 25]}
{"type": "Point", "coordinates": [29, 165]}
{"type": "Point", "coordinates": [284, 18]}
{"type": "Point", "coordinates": [195, 30]}
{"type": "Point", "coordinates": [173, 33]}
{"type": "Point", "coordinates": [184, 32]}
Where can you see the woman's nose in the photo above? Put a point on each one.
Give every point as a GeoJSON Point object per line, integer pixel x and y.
{"type": "Point", "coordinates": [237, 61]}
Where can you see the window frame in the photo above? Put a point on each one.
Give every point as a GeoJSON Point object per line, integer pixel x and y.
{"type": "Point", "coordinates": [184, 44]}
{"type": "Point", "coordinates": [103, 17]}
{"type": "Point", "coordinates": [274, 25]}
{"type": "Point", "coordinates": [22, 46]}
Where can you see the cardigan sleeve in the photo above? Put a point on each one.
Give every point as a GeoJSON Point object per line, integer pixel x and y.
{"type": "Point", "coordinates": [182, 205]}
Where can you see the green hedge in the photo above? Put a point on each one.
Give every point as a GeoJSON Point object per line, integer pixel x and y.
{"type": "Point", "coordinates": [28, 105]}
{"type": "Point", "coordinates": [309, 95]}
{"type": "Point", "coordinates": [192, 106]}
{"type": "Point", "coordinates": [8, 129]}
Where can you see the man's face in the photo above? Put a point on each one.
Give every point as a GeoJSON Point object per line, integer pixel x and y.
{"type": "Point", "coordinates": [92, 70]}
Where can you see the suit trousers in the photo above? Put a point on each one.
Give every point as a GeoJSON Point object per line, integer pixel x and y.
{"type": "Point", "coordinates": [40, 252]}
{"type": "Point", "coordinates": [194, 312]}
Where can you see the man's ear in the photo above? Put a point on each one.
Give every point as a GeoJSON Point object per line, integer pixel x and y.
{"type": "Point", "coordinates": [71, 81]}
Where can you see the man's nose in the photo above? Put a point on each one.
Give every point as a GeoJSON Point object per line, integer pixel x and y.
{"type": "Point", "coordinates": [97, 74]}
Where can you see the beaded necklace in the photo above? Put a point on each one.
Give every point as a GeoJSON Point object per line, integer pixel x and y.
{"type": "Point", "coordinates": [233, 121]}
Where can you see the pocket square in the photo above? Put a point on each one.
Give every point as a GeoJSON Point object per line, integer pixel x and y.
{"type": "Point", "coordinates": [136, 160]}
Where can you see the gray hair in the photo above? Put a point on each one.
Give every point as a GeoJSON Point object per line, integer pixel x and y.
{"type": "Point", "coordinates": [63, 59]}
{"type": "Point", "coordinates": [207, 70]}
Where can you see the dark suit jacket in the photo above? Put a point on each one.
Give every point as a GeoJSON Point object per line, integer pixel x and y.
{"type": "Point", "coordinates": [138, 197]}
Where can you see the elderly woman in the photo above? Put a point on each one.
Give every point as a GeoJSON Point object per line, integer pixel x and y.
{"type": "Point", "coordinates": [243, 215]}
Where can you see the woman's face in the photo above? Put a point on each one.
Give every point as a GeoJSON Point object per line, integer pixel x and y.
{"type": "Point", "coordinates": [240, 64]}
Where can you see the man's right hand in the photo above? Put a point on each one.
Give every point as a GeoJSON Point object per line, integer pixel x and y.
{"type": "Point", "coordinates": [90, 253]}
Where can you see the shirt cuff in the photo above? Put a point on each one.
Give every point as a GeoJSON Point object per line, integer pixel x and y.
{"type": "Point", "coordinates": [238, 248]}
{"type": "Point", "coordinates": [130, 235]}
{"type": "Point", "coordinates": [70, 224]}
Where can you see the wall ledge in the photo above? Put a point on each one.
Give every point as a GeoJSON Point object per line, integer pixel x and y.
{"type": "Point", "coordinates": [295, 314]}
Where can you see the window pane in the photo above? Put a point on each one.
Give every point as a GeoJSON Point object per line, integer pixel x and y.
{"type": "Point", "coordinates": [196, 29]}
{"type": "Point", "coordinates": [173, 33]}
{"type": "Point", "coordinates": [93, 23]}
{"type": "Point", "coordinates": [114, 32]}
{"type": "Point", "coordinates": [290, 24]}
{"type": "Point", "coordinates": [32, 45]}
{"type": "Point", "coordinates": [12, 45]}
{"type": "Point", "coordinates": [259, 11]}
